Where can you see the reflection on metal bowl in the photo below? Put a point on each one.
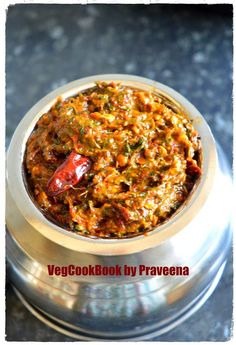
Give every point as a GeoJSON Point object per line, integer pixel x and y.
{"type": "Point", "coordinates": [119, 307]}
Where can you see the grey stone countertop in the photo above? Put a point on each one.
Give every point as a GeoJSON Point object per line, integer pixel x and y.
{"type": "Point", "coordinates": [187, 47]}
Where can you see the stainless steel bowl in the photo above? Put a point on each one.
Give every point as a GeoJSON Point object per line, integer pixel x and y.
{"type": "Point", "coordinates": [121, 308]}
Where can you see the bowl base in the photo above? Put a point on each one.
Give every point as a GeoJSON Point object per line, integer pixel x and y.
{"type": "Point", "coordinates": [80, 334]}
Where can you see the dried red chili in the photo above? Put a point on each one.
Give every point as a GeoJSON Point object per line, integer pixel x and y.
{"type": "Point", "coordinates": [68, 174]}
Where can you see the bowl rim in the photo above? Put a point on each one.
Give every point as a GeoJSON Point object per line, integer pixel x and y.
{"type": "Point", "coordinates": [98, 246]}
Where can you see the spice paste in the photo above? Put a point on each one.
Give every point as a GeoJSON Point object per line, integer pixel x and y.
{"type": "Point", "coordinates": [140, 161]}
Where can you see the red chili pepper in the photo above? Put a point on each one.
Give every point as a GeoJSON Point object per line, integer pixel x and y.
{"type": "Point", "coordinates": [68, 174]}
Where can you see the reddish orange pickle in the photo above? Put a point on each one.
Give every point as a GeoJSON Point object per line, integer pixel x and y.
{"type": "Point", "coordinates": [112, 161]}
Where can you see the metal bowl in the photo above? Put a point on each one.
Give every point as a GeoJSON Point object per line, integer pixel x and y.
{"type": "Point", "coordinates": [198, 235]}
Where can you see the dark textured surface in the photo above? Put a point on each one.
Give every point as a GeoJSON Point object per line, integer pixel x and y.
{"type": "Point", "coordinates": [188, 48]}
